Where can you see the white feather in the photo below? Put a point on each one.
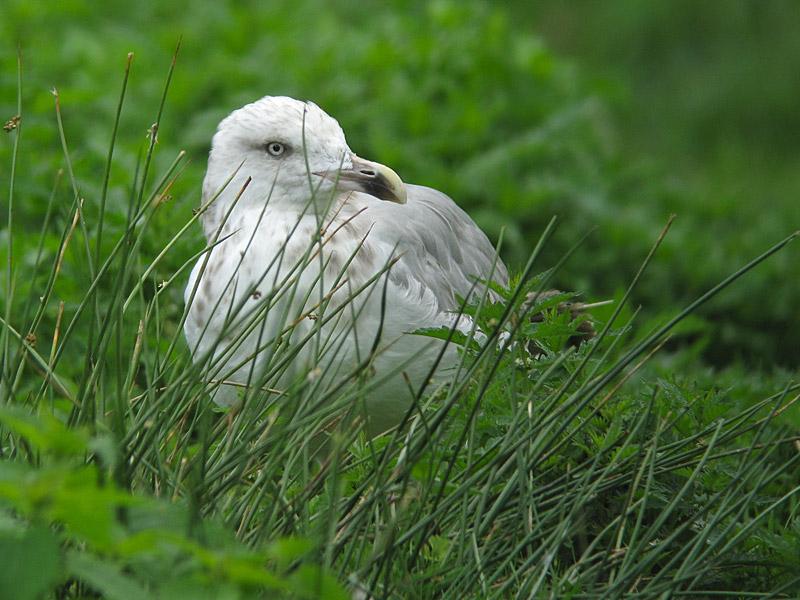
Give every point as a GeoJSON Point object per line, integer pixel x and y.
{"type": "Point", "coordinates": [420, 254]}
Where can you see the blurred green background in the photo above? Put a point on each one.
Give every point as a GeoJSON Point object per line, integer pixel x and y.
{"type": "Point", "coordinates": [611, 115]}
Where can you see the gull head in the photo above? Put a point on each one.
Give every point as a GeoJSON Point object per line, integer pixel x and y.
{"type": "Point", "coordinates": [291, 152]}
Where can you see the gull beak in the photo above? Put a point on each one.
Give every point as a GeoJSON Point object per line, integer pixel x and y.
{"type": "Point", "coordinates": [371, 178]}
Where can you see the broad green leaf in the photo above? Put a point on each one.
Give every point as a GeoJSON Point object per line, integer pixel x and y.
{"type": "Point", "coordinates": [104, 576]}
{"type": "Point", "coordinates": [312, 582]}
{"type": "Point", "coordinates": [43, 431]}
{"type": "Point", "coordinates": [31, 563]}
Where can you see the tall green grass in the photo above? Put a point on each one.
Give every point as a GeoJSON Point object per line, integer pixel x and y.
{"type": "Point", "coordinates": [639, 113]}
{"type": "Point", "coordinates": [570, 475]}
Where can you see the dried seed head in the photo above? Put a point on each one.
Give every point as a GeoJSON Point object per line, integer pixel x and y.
{"type": "Point", "coordinates": [12, 123]}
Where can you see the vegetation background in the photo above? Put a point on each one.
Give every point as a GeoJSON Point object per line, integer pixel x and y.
{"type": "Point", "coordinates": [611, 115]}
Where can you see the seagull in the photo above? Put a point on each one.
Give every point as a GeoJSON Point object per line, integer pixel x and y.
{"type": "Point", "coordinates": [329, 259]}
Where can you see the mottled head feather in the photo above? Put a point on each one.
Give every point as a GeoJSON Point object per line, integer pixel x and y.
{"type": "Point", "coordinates": [312, 140]}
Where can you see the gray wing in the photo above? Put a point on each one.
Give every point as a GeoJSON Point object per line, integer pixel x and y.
{"type": "Point", "coordinates": [442, 247]}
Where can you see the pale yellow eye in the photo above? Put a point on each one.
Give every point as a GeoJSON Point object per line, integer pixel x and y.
{"type": "Point", "coordinates": [275, 149]}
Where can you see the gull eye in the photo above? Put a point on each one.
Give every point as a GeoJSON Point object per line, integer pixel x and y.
{"type": "Point", "coordinates": [275, 149]}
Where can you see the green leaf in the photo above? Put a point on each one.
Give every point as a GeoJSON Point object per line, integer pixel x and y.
{"type": "Point", "coordinates": [187, 589]}
{"type": "Point", "coordinates": [455, 337]}
{"type": "Point", "coordinates": [312, 582]}
{"type": "Point", "coordinates": [71, 496]}
{"type": "Point", "coordinates": [43, 431]}
{"type": "Point", "coordinates": [89, 511]}
{"type": "Point", "coordinates": [104, 577]}
{"type": "Point", "coordinates": [249, 570]}
{"type": "Point", "coordinates": [288, 550]}
{"type": "Point", "coordinates": [31, 563]}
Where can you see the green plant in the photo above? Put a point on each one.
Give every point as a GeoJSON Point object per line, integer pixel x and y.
{"type": "Point", "coordinates": [599, 472]}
